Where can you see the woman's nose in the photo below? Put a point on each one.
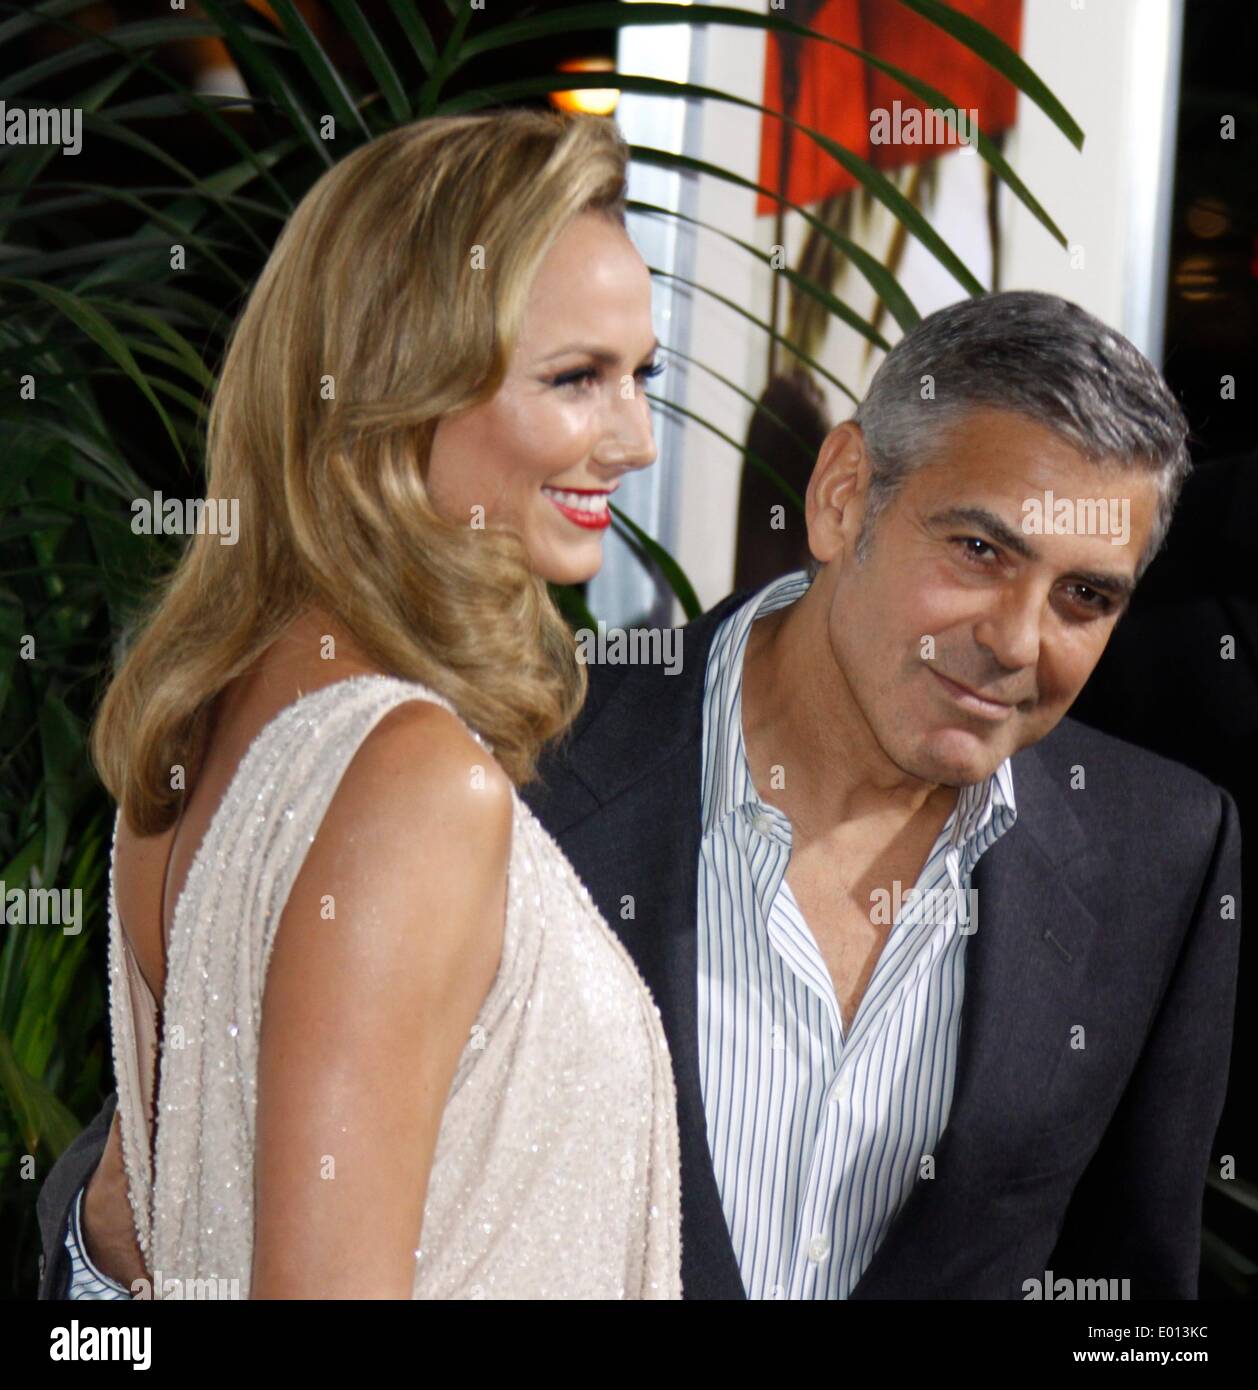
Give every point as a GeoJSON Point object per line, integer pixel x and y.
{"type": "Point", "coordinates": [631, 442]}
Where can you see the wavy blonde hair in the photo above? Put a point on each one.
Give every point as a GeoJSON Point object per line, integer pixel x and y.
{"type": "Point", "coordinates": [372, 287]}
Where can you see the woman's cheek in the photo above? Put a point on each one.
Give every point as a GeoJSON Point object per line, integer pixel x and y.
{"type": "Point", "coordinates": [576, 423]}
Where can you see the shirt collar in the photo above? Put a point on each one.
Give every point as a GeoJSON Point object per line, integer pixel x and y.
{"type": "Point", "coordinates": [984, 810]}
{"type": "Point", "coordinates": [727, 782]}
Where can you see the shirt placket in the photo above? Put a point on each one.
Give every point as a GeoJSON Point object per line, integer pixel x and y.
{"type": "Point", "coordinates": [816, 1238]}
{"type": "Point", "coordinates": [811, 1243]}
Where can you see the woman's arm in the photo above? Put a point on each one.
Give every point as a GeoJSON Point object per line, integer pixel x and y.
{"type": "Point", "coordinates": [107, 1228]}
{"type": "Point", "coordinates": [386, 950]}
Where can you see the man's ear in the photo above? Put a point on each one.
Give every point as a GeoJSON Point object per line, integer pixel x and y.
{"type": "Point", "coordinates": [834, 501]}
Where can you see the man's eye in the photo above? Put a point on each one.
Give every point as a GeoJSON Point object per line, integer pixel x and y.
{"type": "Point", "coordinates": [1100, 603]}
{"type": "Point", "coordinates": [964, 541]}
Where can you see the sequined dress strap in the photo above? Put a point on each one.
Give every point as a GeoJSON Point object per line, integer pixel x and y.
{"type": "Point", "coordinates": [220, 942]}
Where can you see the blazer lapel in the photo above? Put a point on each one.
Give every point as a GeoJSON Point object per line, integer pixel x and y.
{"type": "Point", "coordinates": [1024, 969]}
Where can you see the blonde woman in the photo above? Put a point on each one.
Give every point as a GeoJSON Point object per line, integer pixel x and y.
{"type": "Point", "coordinates": [372, 1038]}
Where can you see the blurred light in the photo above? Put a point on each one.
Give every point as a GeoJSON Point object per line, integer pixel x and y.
{"type": "Point", "coordinates": [589, 101]}
{"type": "Point", "coordinates": [1207, 218]}
{"type": "Point", "coordinates": [1196, 277]}
{"type": "Point", "coordinates": [222, 80]}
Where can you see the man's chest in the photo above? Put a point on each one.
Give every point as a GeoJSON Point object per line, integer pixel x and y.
{"type": "Point", "coordinates": [849, 939]}
{"type": "Point", "coordinates": [843, 900]}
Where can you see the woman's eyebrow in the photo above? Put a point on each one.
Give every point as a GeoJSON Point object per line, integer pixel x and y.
{"type": "Point", "coordinates": [600, 354]}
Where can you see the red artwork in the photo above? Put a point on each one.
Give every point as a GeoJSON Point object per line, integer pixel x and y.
{"type": "Point", "coordinates": [836, 92]}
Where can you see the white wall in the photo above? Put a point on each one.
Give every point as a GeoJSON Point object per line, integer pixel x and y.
{"type": "Point", "coordinates": [1114, 65]}
{"type": "Point", "coordinates": [732, 59]}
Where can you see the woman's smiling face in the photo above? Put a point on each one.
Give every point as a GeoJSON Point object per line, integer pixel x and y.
{"type": "Point", "coordinates": [545, 453]}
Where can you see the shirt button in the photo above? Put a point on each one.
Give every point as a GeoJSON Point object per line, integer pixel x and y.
{"type": "Point", "coordinates": [818, 1248]}
{"type": "Point", "coordinates": [842, 1089]}
{"type": "Point", "coordinates": [762, 823]}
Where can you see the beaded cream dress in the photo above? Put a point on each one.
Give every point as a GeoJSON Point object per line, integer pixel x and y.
{"type": "Point", "coordinates": [556, 1169]}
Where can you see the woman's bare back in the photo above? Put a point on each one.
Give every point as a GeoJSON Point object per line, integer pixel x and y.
{"type": "Point", "coordinates": [150, 870]}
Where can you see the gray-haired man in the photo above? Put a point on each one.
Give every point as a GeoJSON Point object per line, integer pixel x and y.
{"type": "Point", "coordinates": [948, 978]}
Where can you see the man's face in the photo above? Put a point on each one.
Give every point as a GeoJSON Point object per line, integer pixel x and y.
{"type": "Point", "coordinates": [944, 599]}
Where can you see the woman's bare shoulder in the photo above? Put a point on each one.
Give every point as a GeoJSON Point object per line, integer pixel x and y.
{"type": "Point", "coordinates": [422, 760]}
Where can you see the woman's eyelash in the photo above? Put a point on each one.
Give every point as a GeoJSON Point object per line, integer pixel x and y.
{"type": "Point", "coordinates": [652, 369]}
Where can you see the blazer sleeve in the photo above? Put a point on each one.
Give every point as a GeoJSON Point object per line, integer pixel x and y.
{"type": "Point", "coordinates": [70, 1172]}
{"type": "Point", "coordinates": [1136, 1212]}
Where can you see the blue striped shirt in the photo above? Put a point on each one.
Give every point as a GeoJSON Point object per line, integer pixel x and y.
{"type": "Point", "coordinates": [817, 1139]}
{"type": "Point", "coordinates": [86, 1281]}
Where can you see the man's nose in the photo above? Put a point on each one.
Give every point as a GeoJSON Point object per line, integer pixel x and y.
{"type": "Point", "coordinates": [1010, 630]}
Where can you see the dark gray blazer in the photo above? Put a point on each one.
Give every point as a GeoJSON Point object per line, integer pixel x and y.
{"type": "Point", "coordinates": [1101, 908]}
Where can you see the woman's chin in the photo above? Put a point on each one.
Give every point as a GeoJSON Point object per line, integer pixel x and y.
{"type": "Point", "coordinates": [574, 568]}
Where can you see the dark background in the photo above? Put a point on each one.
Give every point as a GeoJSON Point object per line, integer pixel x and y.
{"type": "Point", "coordinates": [1161, 683]}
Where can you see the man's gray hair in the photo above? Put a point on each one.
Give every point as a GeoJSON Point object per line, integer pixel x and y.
{"type": "Point", "coordinates": [1034, 354]}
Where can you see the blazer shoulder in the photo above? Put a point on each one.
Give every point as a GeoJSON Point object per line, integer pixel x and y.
{"type": "Point", "coordinates": [653, 701]}
{"type": "Point", "coordinates": [694, 639]}
{"type": "Point", "coordinates": [1137, 792]}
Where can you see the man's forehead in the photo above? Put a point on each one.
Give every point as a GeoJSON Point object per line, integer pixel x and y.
{"type": "Point", "coordinates": [961, 471]}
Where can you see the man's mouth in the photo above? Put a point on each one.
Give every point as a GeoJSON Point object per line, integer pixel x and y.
{"type": "Point", "coordinates": [987, 709]}
{"type": "Point", "coordinates": [585, 509]}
